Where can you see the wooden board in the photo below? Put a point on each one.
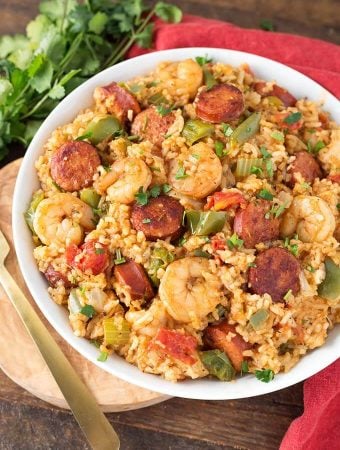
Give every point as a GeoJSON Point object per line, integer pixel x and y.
{"type": "Point", "coordinates": [21, 360]}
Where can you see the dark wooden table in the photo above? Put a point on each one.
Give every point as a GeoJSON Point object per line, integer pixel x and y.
{"type": "Point", "coordinates": [27, 423]}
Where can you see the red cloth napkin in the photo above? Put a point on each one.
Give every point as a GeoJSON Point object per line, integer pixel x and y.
{"type": "Point", "coordinates": [319, 426]}
{"type": "Point", "coordinates": [315, 58]}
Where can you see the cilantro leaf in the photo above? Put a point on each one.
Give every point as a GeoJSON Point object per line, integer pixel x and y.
{"type": "Point", "coordinates": [102, 356]}
{"type": "Point", "coordinates": [141, 197]}
{"type": "Point", "coordinates": [163, 110]}
{"type": "Point", "coordinates": [180, 174]}
{"type": "Point", "coordinates": [264, 375]}
{"type": "Point", "coordinates": [168, 13]}
{"type": "Point", "coordinates": [155, 191]}
{"type": "Point", "coordinates": [267, 25]}
{"type": "Point", "coordinates": [88, 311]}
{"type": "Point", "coordinates": [265, 194]}
{"type": "Point", "coordinates": [144, 38]}
{"type": "Point", "coordinates": [292, 118]}
{"type": "Point", "coordinates": [40, 72]}
{"type": "Point", "coordinates": [278, 136]}
{"type": "Point", "coordinates": [97, 22]}
{"type": "Point", "coordinates": [201, 60]}
{"type": "Point", "coordinates": [234, 242]}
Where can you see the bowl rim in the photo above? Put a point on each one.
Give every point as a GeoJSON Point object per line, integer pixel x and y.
{"type": "Point", "coordinates": [204, 389]}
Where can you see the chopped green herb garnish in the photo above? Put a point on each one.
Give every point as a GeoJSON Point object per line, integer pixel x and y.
{"type": "Point", "coordinates": [264, 375]}
{"type": "Point", "coordinates": [220, 149]}
{"type": "Point", "coordinates": [84, 136]}
{"type": "Point", "coordinates": [201, 60]}
{"type": "Point", "coordinates": [234, 242]}
{"type": "Point", "coordinates": [166, 188]}
{"type": "Point", "coordinates": [180, 174]}
{"type": "Point", "coordinates": [338, 206]}
{"type": "Point", "coordinates": [265, 194]}
{"type": "Point", "coordinates": [99, 251]}
{"type": "Point", "coordinates": [265, 153]}
{"type": "Point", "coordinates": [141, 197]}
{"type": "Point", "coordinates": [88, 311]}
{"type": "Point", "coordinates": [102, 356]}
{"type": "Point", "coordinates": [292, 118]}
{"type": "Point", "coordinates": [267, 25]}
{"type": "Point", "coordinates": [292, 248]}
{"type": "Point", "coordinates": [164, 110]}
{"type": "Point", "coordinates": [316, 148]}
{"type": "Point", "coordinates": [155, 191]}
{"type": "Point", "coordinates": [226, 129]}
{"type": "Point", "coordinates": [287, 295]}
{"type": "Point", "coordinates": [310, 268]}
{"type": "Point", "coordinates": [182, 241]}
{"type": "Point", "coordinates": [269, 168]}
{"type": "Point", "coordinates": [278, 136]}
{"type": "Point", "coordinates": [305, 185]}
{"type": "Point", "coordinates": [276, 210]}
{"type": "Point", "coordinates": [194, 155]}
{"type": "Point", "coordinates": [256, 170]}
{"type": "Point", "coordinates": [95, 343]}
{"type": "Point", "coordinates": [252, 264]}
{"type": "Point", "coordinates": [147, 220]}
{"type": "Point", "coordinates": [201, 253]}
{"type": "Point", "coordinates": [135, 88]}
{"type": "Point", "coordinates": [119, 258]}
{"type": "Point", "coordinates": [209, 79]}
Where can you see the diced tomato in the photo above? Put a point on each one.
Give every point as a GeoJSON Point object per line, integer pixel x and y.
{"type": "Point", "coordinates": [218, 244]}
{"type": "Point", "coordinates": [177, 345]}
{"type": "Point", "coordinates": [224, 200]}
{"type": "Point", "coordinates": [276, 91]}
{"type": "Point", "coordinates": [335, 177]}
{"type": "Point", "coordinates": [279, 118]}
{"type": "Point", "coordinates": [91, 256]}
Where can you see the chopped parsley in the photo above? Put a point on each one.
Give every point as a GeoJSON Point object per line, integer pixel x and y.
{"type": "Point", "coordinates": [305, 185]}
{"type": "Point", "coordinates": [310, 268]}
{"type": "Point", "coordinates": [278, 136]}
{"type": "Point", "coordinates": [102, 356]}
{"type": "Point", "coordinates": [201, 60]}
{"type": "Point", "coordinates": [256, 170]}
{"type": "Point", "coordinates": [267, 25]}
{"type": "Point", "coordinates": [292, 248]}
{"type": "Point", "coordinates": [269, 168]}
{"type": "Point", "coordinates": [164, 110]}
{"type": "Point", "coordinates": [119, 258]}
{"type": "Point", "coordinates": [84, 136]}
{"type": "Point", "coordinates": [244, 367]}
{"type": "Point", "coordinates": [316, 148]}
{"type": "Point", "coordinates": [234, 242]}
{"type": "Point", "coordinates": [201, 253]}
{"type": "Point", "coordinates": [226, 129]}
{"type": "Point", "coordinates": [194, 155]}
{"type": "Point", "coordinates": [292, 118]}
{"type": "Point", "coordinates": [155, 191]}
{"type": "Point", "coordinates": [264, 375]}
{"type": "Point", "coordinates": [276, 210]}
{"type": "Point", "coordinates": [220, 149]}
{"type": "Point", "coordinates": [99, 251]}
{"type": "Point", "coordinates": [287, 295]}
{"type": "Point", "coordinates": [147, 220]}
{"type": "Point", "coordinates": [252, 264]}
{"type": "Point", "coordinates": [88, 311]}
{"type": "Point", "coordinates": [182, 241]}
{"type": "Point", "coordinates": [180, 174]}
{"type": "Point", "coordinates": [166, 188]}
{"type": "Point", "coordinates": [141, 197]}
{"type": "Point", "coordinates": [209, 79]}
{"type": "Point", "coordinates": [338, 206]}
{"type": "Point", "coordinates": [135, 88]}
{"type": "Point", "coordinates": [265, 194]}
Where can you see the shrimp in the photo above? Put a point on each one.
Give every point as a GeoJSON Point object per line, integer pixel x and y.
{"type": "Point", "coordinates": [184, 77]}
{"type": "Point", "coordinates": [330, 155]}
{"type": "Point", "coordinates": [196, 172]}
{"type": "Point", "coordinates": [189, 290]}
{"type": "Point", "coordinates": [124, 180]}
{"type": "Point", "coordinates": [310, 217]}
{"type": "Point", "coordinates": [61, 219]}
{"type": "Point", "coordinates": [147, 322]}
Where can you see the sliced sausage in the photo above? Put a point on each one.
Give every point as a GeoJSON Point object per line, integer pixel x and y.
{"type": "Point", "coordinates": [74, 164]}
{"type": "Point", "coordinates": [276, 272]}
{"type": "Point", "coordinates": [56, 278]}
{"type": "Point", "coordinates": [152, 126]}
{"type": "Point", "coordinates": [116, 100]}
{"type": "Point", "coordinates": [215, 337]}
{"type": "Point", "coordinates": [277, 91]}
{"type": "Point", "coordinates": [160, 218]}
{"type": "Point", "coordinates": [252, 226]}
{"type": "Point", "coordinates": [306, 165]}
{"type": "Point", "coordinates": [223, 102]}
{"type": "Point", "coordinates": [132, 275]}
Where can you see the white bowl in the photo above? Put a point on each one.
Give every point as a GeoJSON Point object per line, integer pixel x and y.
{"type": "Point", "coordinates": [27, 182]}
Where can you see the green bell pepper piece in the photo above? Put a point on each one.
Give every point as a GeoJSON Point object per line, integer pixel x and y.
{"type": "Point", "coordinates": [29, 214]}
{"type": "Point", "coordinates": [90, 196]}
{"type": "Point", "coordinates": [102, 128]}
{"type": "Point", "coordinates": [330, 287]}
{"type": "Point", "coordinates": [246, 130]}
{"type": "Point", "coordinates": [205, 223]}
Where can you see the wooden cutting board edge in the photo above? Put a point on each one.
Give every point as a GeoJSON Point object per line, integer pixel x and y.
{"type": "Point", "coordinates": [20, 359]}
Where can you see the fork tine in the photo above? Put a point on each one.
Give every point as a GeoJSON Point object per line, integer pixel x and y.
{"type": "Point", "coordinates": [4, 247]}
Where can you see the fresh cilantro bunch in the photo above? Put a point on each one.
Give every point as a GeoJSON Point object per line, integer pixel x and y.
{"type": "Point", "coordinates": [64, 45]}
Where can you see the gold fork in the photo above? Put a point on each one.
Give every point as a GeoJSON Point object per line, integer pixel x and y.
{"type": "Point", "coordinates": [90, 418]}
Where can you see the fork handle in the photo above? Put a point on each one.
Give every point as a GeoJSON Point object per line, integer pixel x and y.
{"type": "Point", "coordinates": [90, 418]}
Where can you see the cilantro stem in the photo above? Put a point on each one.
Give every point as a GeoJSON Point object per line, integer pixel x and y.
{"type": "Point", "coordinates": [64, 16]}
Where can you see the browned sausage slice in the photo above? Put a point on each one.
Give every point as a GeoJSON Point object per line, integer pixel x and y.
{"type": "Point", "coordinates": [221, 103]}
{"type": "Point", "coordinates": [276, 272]}
{"type": "Point", "coordinates": [251, 225]}
{"type": "Point", "coordinates": [277, 91]}
{"type": "Point", "coordinates": [56, 278]}
{"type": "Point", "coordinates": [152, 126]}
{"type": "Point", "coordinates": [116, 100]}
{"type": "Point", "coordinates": [215, 337]}
{"type": "Point", "coordinates": [160, 218]}
{"type": "Point", "coordinates": [133, 275]}
{"type": "Point", "coordinates": [74, 164]}
{"type": "Point", "coordinates": [307, 166]}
